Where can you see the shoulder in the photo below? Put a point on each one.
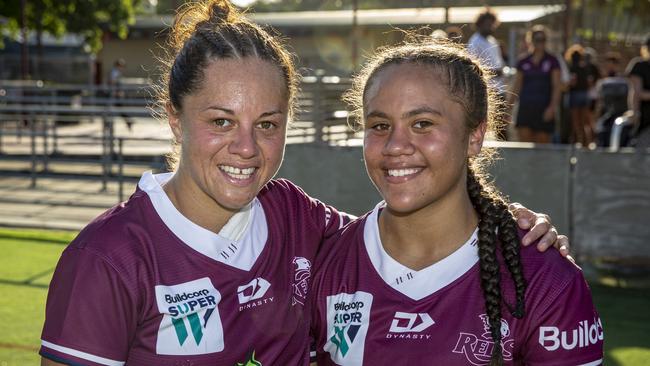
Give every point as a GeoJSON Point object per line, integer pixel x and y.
{"type": "Point", "coordinates": [525, 59]}
{"type": "Point", "coordinates": [338, 251]}
{"type": "Point", "coordinates": [554, 60]}
{"type": "Point", "coordinates": [548, 273]}
{"type": "Point", "coordinates": [113, 233]}
{"type": "Point", "coordinates": [638, 66]}
{"type": "Point", "coordinates": [282, 189]}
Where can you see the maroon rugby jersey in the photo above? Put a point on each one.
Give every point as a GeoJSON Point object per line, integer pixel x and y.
{"type": "Point", "coordinates": [142, 285]}
{"type": "Point", "coordinates": [368, 309]}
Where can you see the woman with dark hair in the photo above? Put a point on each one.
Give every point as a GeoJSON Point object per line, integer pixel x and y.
{"type": "Point", "coordinates": [538, 88]}
{"type": "Point", "coordinates": [435, 274]}
{"type": "Point", "coordinates": [210, 264]}
{"type": "Point", "coordinates": [579, 103]}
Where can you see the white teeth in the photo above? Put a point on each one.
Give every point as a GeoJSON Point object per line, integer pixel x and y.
{"type": "Point", "coordinates": [237, 173]}
{"type": "Point", "coordinates": [401, 172]}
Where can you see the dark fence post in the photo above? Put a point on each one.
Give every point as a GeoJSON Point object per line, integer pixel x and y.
{"type": "Point", "coordinates": [120, 158]}
{"type": "Point", "coordinates": [32, 129]}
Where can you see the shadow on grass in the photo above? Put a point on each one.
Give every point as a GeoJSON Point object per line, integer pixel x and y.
{"type": "Point", "coordinates": [30, 281]}
{"type": "Point", "coordinates": [625, 317]}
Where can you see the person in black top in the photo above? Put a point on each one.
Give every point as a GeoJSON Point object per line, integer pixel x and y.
{"type": "Point", "coordinates": [638, 72]}
{"type": "Point", "coordinates": [579, 104]}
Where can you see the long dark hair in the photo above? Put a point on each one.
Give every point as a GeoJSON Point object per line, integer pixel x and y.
{"type": "Point", "coordinates": [467, 83]}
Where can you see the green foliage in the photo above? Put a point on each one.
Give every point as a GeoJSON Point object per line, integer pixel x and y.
{"type": "Point", "coordinates": [88, 18]}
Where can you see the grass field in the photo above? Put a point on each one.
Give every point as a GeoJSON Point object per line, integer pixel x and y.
{"type": "Point", "coordinates": [29, 257]}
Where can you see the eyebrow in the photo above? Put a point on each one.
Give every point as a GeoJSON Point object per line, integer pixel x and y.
{"type": "Point", "coordinates": [412, 113]}
{"type": "Point", "coordinates": [231, 112]}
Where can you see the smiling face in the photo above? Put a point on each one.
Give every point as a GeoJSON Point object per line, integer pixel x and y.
{"type": "Point", "coordinates": [416, 142]}
{"type": "Point", "coordinates": [232, 131]}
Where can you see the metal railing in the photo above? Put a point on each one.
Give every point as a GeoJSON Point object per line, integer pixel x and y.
{"type": "Point", "coordinates": [32, 114]}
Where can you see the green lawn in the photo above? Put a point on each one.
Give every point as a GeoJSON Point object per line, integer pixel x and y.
{"type": "Point", "coordinates": [29, 257]}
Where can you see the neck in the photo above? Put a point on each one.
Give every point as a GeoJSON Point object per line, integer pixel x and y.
{"type": "Point", "coordinates": [193, 203]}
{"type": "Point", "coordinates": [422, 238]}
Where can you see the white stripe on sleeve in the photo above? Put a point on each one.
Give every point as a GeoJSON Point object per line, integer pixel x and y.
{"type": "Point", "coordinates": [84, 355]}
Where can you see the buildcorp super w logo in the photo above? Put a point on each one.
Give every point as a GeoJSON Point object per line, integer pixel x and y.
{"type": "Point", "coordinates": [348, 317]}
{"type": "Point", "coordinates": [191, 324]}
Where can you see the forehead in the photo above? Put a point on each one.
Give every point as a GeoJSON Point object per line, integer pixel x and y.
{"type": "Point", "coordinates": [407, 83]}
{"type": "Point", "coordinates": [233, 80]}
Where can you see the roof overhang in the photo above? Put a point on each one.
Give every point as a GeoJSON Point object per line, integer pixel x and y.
{"type": "Point", "coordinates": [373, 17]}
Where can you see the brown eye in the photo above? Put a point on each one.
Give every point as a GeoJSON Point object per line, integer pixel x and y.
{"type": "Point", "coordinates": [222, 122]}
{"type": "Point", "coordinates": [422, 124]}
{"type": "Point", "coordinates": [266, 125]}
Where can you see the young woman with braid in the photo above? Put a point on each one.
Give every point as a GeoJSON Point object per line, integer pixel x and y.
{"type": "Point", "coordinates": [435, 274]}
{"type": "Point", "coordinates": [208, 265]}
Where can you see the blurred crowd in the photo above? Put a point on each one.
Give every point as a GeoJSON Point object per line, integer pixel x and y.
{"type": "Point", "coordinates": [579, 97]}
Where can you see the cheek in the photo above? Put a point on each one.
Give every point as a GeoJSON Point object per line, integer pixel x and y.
{"type": "Point", "coordinates": [273, 148]}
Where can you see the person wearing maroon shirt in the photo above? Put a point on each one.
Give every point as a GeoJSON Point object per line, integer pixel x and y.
{"type": "Point", "coordinates": [538, 88]}
{"type": "Point", "coordinates": [435, 274]}
{"type": "Point", "coordinates": [211, 264]}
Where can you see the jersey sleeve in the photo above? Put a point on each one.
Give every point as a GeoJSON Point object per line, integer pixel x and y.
{"type": "Point", "coordinates": [567, 329]}
{"type": "Point", "coordinates": [91, 314]}
{"type": "Point", "coordinates": [325, 218]}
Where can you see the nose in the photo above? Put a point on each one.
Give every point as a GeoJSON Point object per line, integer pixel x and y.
{"type": "Point", "coordinates": [244, 143]}
{"type": "Point", "coordinates": [398, 143]}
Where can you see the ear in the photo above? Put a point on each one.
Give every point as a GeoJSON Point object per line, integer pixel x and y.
{"type": "Point", "coordinates": [174, 121]}
{"type": "Point", "coordinates": [475, 142]}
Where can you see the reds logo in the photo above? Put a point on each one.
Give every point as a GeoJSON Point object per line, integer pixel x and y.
{"type": "Point", "coordinates": [300, 280]}
{"type": "Point", "coordinates": [478, 350]}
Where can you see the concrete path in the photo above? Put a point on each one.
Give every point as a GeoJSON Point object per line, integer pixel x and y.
{"type": "Point", "coordinates": [55, 203]}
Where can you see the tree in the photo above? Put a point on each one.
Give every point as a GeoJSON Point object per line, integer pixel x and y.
{"type": "Point", "coordinates": [88, 18]}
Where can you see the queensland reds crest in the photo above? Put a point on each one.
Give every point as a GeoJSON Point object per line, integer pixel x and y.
{"type": "Point", "coordinates": [300, 280]}
{"type": "Point", "coordinates": [478, 349]}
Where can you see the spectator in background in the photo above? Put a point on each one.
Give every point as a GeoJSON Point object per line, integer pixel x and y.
{"type": "Point", "coordinates": [612, 95]}
{"type": "Point", "coordinates": [455, 33]}
{"type": "Point", "coordinates": [579, 104]}
{"type": "Point", "coordinates": [593, 73]}
{"type": "Point", "coordinates": [612, 64]}
{"type": "Point", "coordinates": [486, 48]}
{"type": "Point", "coordinates": [116, 86]}
{"type": "Point", "coordinates": [538, 87]}
{"type": "Point", "coordinates": [638, 72]}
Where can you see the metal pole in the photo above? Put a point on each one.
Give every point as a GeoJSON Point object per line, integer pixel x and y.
{"type": "Point", "coordinates": [24, 64]}
{"type": "Point", "coordinates": [567, 24]}
{"type": "Point", "coordinates": [120, 158]}
{"type": "Point", "coordinates": [355, 35]}
{"type": "Point", "coordinates": [32, 129]}
{"type": "Point", "coordinates": [105, 152]}
{"type": "Point", "coordinates": [45, 149]}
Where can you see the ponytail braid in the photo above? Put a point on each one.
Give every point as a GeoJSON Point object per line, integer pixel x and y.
{"type": "Point", "coordinates": [494, 216]}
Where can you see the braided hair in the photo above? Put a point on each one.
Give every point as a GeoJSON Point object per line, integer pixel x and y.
{"type": "Point", "coordinates": [210, 30]}
{"type": "Point", "coordinates": [467, 83]}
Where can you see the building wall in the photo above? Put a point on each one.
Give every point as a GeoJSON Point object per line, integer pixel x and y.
{"type": "Point", "coordinates": [600, 199]}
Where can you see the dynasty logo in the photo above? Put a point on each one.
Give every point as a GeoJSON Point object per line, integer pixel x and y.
{"type": "Point", "coordinates": [252, 294]}
{"type": "Point", "coordinates": [300, 284]}
{"type": "Point", "coordinates": [478, 349]}
{"type": "Point", "coordinates": [409, 326]}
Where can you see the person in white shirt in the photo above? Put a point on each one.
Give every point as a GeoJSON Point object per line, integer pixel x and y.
{"type": "Point", "coordinates": [485, 47]}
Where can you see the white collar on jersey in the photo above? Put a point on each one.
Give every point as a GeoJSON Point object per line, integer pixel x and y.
{"type": "Point", "coordinates": [416, 284]}
{"type": "Point", "coordinates": [239, 242]}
